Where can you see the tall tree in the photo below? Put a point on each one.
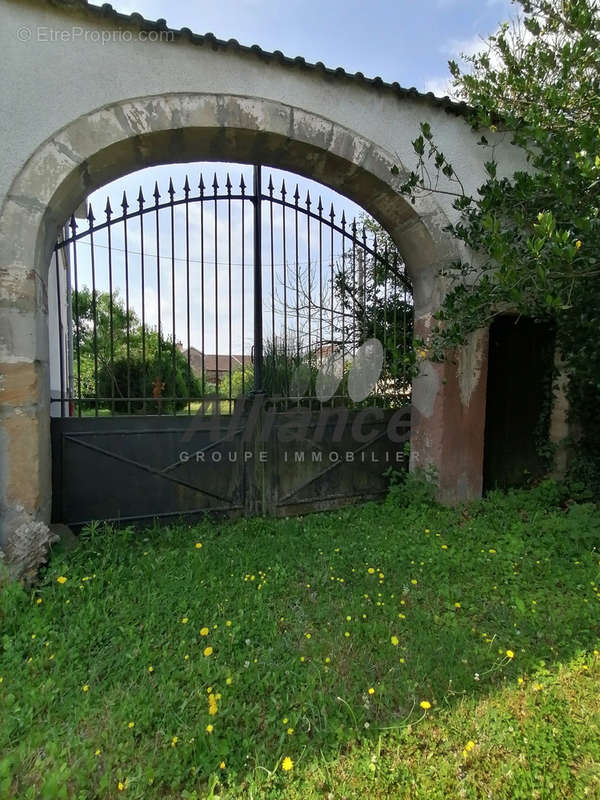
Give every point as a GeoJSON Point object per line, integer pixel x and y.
{"type": "Point", "coordinates": [120, 359]}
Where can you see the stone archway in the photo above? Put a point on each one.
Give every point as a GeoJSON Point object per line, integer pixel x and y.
{"type": "Point", "coordinates": [98, 147]}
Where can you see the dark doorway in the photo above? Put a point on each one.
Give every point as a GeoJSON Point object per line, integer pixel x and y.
{"type": "Point", "coordinates": [521, 355]}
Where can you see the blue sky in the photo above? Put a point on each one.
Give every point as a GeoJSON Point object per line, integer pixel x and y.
{"type": "Point", "coordinates": [409, 41]}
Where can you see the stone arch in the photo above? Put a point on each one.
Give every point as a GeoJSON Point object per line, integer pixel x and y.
{"type": "Point", "coordinates": [121, 137]}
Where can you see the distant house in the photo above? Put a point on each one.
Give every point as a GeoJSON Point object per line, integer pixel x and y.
{"type": "Point", "coordinates": [216, 367]}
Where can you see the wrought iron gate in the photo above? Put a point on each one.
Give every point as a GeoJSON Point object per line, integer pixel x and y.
{"type": "Point", "coordinates": [176, 319]}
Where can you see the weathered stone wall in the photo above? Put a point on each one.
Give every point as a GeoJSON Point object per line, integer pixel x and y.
{"type": "Point", "coordinates": [83, 113]}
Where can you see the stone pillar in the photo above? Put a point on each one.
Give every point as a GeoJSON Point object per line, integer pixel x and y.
{"type": "Point", "coordinates": [25, 462]}
{"type": "Point", "coordinates": [448, 418]}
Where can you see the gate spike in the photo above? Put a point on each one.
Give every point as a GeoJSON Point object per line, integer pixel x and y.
{"type": "Point", "coordinates": [108, 209]}
{"type": "Point", "coordinates": [171, 190]}
{"type": "Point", "coordinates": [73, 223]}
{"type": "Point", "coordinates": [296, 195]}
{"type": "Point", "coordinates": [201, 186]}
{"type": "Point", "coordinates": [308, 203]}
{"type": "Point", "coordinates": [228, 184]}
{"type": "Point", "coordinates": [156, 193]}
{"type": "Point", "coordinates": [242, 184]}
{"type": "Point", "coordinates": [353, 226]}
{"type": "Point", "coordinates": [332, 213]}
{"type": "Point", "coordinates": [343, 219]}
{"type": "Point", "coordinates": [90, 215]}
{"type": "Point", "coordinates": [320, 206]}
{"type": "Point", "coordinates": [270, 187]}
{"type": "Point", "coordinates": [283, 190]}
{"type": "Point", "coordinates": [215, 183]}
{"type": "Point", "coordinates": [140, 198]}
{"type": "Point", "coordinates": [124, 203]}
{"type": "Point", "coordinates": [186, 187]}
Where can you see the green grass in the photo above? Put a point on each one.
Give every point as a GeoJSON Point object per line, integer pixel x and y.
{"type": "Point", "coordinates": [303, 616]}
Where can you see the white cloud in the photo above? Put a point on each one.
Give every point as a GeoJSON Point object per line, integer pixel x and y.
{"type": "Point", "coordinates": [468, 47]}
{"type": "Point", "coordinates": [440, 86]}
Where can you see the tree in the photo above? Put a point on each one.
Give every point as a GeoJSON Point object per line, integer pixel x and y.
{"type": "Point", "coordinates": [379, 305]}
{"type": "Point", "coordinates": [120, 359]}
{"type": "Point", "coordinates": [537, 234]}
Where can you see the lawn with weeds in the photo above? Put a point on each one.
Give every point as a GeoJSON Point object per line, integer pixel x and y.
{"type": "Point", "coordinates": [383, 651]}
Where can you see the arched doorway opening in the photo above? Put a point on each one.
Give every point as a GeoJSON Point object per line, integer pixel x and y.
{"type": "Point", "coordinates": [131, 134]}
{"type": "Point", "coordinates": [195, 302]}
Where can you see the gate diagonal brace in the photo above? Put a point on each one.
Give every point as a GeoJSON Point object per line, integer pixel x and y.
{"type": "Point", "coordinates": [146, 468]}
{"type": "Point", "coordinates": [204, 449]}
{"type": "Point", "coordinates": [330, 468]}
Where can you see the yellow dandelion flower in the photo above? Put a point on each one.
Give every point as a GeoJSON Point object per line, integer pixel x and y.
{"type": "Point", "coordinates": [39, 600]}
{"type": "Point", "coordinates": [371, 571]}
{"type": "Point", "coordinates": [203, 631]}
{"type": "Point", "coordinates": [61, 579]}
{"type": "Point", "coordinates": [456, 605]}
{"type": "Point", "coordinates": [347, 634]}
{"type": "Point", "coordinates": [222, 765]}
{"type": "Point", "coordinates": [285, 720]}
{"type": "Point", "coordinates": [208, 651]}
{"type": "Point", "coordinates": [444, 547]}
{"type": "Point", "coordinates": [120, 786]}
{"type": "Point", "coordinates": [198, 545]}
{"type": "Point", "coordinates": [414, 582]}
{"type": "Point", "coordinates": [426, 530]}
{"type": "Point", "coordinates": [85, 688]}
{"type": "Point", "coordinates": [425, 704]}
{"type": "Point", "coordinates": [307, 635]}
{"type": "Point", "coordinates": [131, 724]}
{"type": "Point", "coordinates": [371, 690]}
{"type": "Point", "coordinates": [287, 764]}
{"type": "Point", "coordinates": [290, 731]}
{"type": "Point", "coordinates": [184, 621]}
{"type": "Point", "coordinates": [229, 681]}
{"type": "Point", "coordinates": [510, 654]}
{"type": "Point", "coordinates": [151, 669]}
{"type": "Point", "coordinates": [228, 623]}
{"type": "Point", "coordinates": [578, 243]}
{"type": "Point", "coordinates": [302, 658]}
{"type": "Point", "coordinates": [209, 728]}
{"type": "Point", "coordinates": [174, 741]}
{"type": "Point", "coordinates": [97, 752]}
{"type": "Point", "coordinates": [327, 660]}
{"type": "Point", "coordinates": [395, 641]}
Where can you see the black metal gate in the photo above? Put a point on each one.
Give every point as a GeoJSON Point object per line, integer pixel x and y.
{"type": "Point", "coordinates": [187, 333]}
